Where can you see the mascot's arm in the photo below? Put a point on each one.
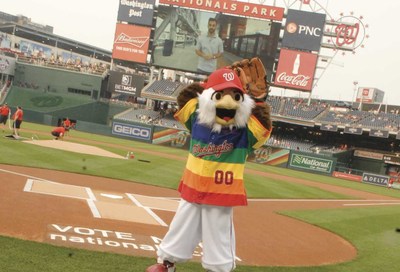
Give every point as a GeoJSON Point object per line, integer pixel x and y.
{"type": "Point", "coordinates": [187, 102]}
{"type": "Point", "coordinates": [260, 125]}
{"type": "Point", "coordinates": [189, 93]}
{"type": "Point", "coordinates": [262, 111]}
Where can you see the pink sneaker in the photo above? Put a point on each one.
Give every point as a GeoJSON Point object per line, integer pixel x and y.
{"type": "Point", "coordinates": [164, 267]}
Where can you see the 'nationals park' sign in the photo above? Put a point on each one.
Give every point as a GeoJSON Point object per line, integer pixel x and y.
{"type": "Point", "coordinates": [231, 7]}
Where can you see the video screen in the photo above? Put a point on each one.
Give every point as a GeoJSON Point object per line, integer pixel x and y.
{"type": "Point", "coordinates": [201, 42]}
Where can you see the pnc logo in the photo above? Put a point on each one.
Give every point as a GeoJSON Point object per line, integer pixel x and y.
{"type": "Point", "coordinates": [293, 28]}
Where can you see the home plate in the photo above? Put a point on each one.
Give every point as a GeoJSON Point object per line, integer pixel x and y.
{"type": "Point", "coordinates": [112, 196]}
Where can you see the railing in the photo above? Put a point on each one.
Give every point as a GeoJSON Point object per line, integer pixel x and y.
{"type": "Point", "coordinates": [3, 92]}
{"type": "Point", "coordinates": [349, 171]}
{"type": "Point", "coordinates": [94, 69]}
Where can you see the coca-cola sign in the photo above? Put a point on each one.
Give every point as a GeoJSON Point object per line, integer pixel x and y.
{"type": "Point", "coordinates": [295, 80]}
{"type": "Point", "coordinates": [131, 43]}
{"type": "Point", "coordinates": [296, 70]}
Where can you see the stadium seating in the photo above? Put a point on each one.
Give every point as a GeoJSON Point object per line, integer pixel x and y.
{"type": "Point", "coordinates": [162, 89]}
{"type": "Point", "coordinates": [381, 120]}
{"type": "Point", "coordinates": [275, 102]}
{"type": "Point", "coordinates": [301, 109]}
{"type": "Point", "coordinates": [345, 118]}
{"type": "Point", "coordinates": [149, 117]}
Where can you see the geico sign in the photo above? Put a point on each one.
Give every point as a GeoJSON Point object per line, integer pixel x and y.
{"type": "Point", "coordinates": [134, 131]}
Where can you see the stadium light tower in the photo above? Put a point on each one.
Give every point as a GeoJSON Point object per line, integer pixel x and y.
{"type": "Point", "coordinates": [355, 83]}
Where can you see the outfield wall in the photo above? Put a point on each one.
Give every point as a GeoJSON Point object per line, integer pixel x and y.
{"type": "Point", "coordinates": [56, 80]}
{"type": "Point", "coordinates": [46, 107]}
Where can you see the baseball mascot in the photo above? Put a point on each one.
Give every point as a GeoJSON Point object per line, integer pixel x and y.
{"type": "Point", "coordinates": [227, 117]}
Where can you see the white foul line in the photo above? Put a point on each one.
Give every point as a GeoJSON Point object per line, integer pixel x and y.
{"type": "Point", "coordinates": [90, 193]}
{"type": "Point", "coordinates": [93, 208]}
{"type": "Point", "coordinates": [371, 204]}
{"type": "Point", "coordinates": [148, 210]}
{"type": "Point", "coordinates": [322, 200]}
{"type": "Point", "coordinates": [22, 175]}
{"type": "Point", "coordinates": [91, 204]}
{"type": "Point", "coordinates": [28, 185]}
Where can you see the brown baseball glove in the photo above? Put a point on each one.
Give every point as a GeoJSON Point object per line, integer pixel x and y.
{"type": "Point", "coordinates": [253, 76]}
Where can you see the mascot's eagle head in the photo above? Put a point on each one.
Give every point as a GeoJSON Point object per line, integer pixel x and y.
{"type": "Point", "coordinates": [223, 102]}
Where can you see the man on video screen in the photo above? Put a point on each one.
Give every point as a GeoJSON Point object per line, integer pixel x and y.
{"type": "Point", "coordinates": [209, 48]}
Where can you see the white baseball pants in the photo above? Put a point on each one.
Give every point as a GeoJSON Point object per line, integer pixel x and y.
{"type": "Point", "coordinates": [194, 223]}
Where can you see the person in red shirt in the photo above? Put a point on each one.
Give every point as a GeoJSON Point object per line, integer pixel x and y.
{"type": "Point", "coordinates": [17, 117]}
{"type": "Point", "coordinates": [58, 132]}
{"type": "Point", "coordinates": [4, 112]}
{"type": "Point", "coordinates": [67, 125]}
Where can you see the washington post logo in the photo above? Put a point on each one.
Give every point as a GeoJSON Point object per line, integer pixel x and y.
{"type": "Point", "coordinates": [135, 41]}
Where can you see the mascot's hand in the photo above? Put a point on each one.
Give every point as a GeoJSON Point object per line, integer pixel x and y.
{"type": "Point", "coordinates": [253, 76]}
{"type": "Point", "coordinates": [189, 93]}
{"type": "Point", "coordinates": [262, 112]}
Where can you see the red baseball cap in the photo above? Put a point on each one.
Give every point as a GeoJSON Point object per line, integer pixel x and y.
{"type": "Point", "coordinates": [222, 79]}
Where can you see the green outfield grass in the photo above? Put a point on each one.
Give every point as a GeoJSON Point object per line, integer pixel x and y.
{"type": "Point", "coordinates": [370, 229]}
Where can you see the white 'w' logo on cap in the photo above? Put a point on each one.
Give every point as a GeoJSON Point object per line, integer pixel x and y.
{"type": "Point", "coordinates": [229, 76]}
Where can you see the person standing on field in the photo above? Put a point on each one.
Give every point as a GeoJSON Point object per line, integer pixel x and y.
{"type": "Point", "coordinates": [17, 117]}
{"type": "Point", "coordinates": [4, 112]}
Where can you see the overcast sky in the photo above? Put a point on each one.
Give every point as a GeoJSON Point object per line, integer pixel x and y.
{"type": "Point", "coordinates": [377, 65]}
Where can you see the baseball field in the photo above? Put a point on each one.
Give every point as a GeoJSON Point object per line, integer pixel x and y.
{"type": "Point", "coordinates": [81, 205]}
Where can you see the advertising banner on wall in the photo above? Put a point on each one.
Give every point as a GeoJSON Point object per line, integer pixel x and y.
{"type": "Point", "coordinates": [390, 159]}
{"type": "Point", "coordinates": [303, 30]}
{"type": "Point", "coordinates": [138, 132]}
{"type": "Point", "coordinates": [270, 155]}
{"type": "Point", "coordinates": [171, 137]}
{"type": "Point", "coordinates": [139, 12]}
{"type": "Point", "coordinates": [375, 179]}
{"type": "Point", "coordinates": [329, 127]}
{"type": "Point", "coordinates": [353, 130]}
{"type": "Point", "coordinates": [368, 154]}
{"type": "Point", "coordinates": [232, 7]}
{"type": "Point", "coordinates": [379, 133]}
{"type": "Point", "coordinates": [131, 43]}
{"type": "Point", "coordinates": [311, 163]}
{"type": "Point", "coordinates": [33, 49]}
{"type": "Point", "coordinates": [346, 176]}
{"type": "Point", "coordinates": [296, 70]}
{"type": "Point", "coordinates": [7, 65]}
{"type": "Point", "coordinates": [126, 83]}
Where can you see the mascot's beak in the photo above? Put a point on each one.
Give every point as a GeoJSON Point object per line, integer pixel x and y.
{"type": "Point", "coordinates": [226, 103]}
